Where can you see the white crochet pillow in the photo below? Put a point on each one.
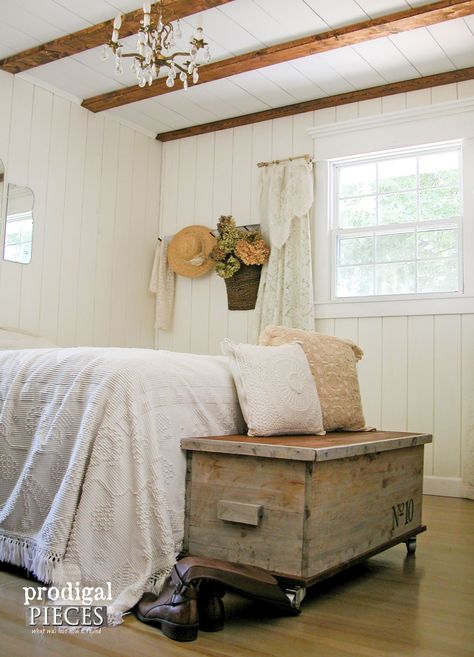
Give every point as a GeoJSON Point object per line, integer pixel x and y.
{"type": "Point", "coordinates": [276, 390]}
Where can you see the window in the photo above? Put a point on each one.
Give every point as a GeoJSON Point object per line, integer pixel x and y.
{"type": "Point", "coordinates": [397, 223]}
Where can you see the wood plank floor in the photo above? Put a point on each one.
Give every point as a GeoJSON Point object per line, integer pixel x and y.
{"type": "Point", "coordinates": [391, 606]}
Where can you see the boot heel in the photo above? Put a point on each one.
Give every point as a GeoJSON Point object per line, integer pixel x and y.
{"type": "Point", "coordinates": [179, 632]}
{"type": "Point", "coordinates": [211, 607]}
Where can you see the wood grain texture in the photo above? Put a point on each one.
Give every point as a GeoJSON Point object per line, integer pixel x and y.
{"type": "Point", "coordinates": [323, 103]}
{"type": "Point", "coordinates": [240, 512]}
{"type": "Point", "coordinates": [332, 446]}
{"type": "Point", "coordinates": [349, 35]}
{"type": "Point", "coordinates": [320, 516]}
{"type": "Point", "coordinates": [390, 605]}
{"type": "Point", "coordinates": [278, 486]}
{"type": "Point", "coordinates": [352, 505]}
{"type": "Point", "coordinates": [96, 35]}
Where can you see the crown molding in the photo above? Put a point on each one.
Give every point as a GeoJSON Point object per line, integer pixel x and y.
{"type": "Point", "coordinates": [393, 118]}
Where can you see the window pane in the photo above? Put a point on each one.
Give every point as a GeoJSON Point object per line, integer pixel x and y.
{"type": "Point", "coordinates": [356, 250]}
{"type": "Point", "coordinates": [438, 275]}
{"type": "Point", "coordinates": [439, 204]}
{"type": "Point", "coordinates": [396, 278]}
{"type": "Point", "coordinates": [357, 180]}
{"type": "Point", "coordinates": [399, 246]}
{"type": "Point", "coordinates": [13, 252]}
{"type": "Point", "coordinates": [437, 169]}
{"type": "Point", "coordinates": [12, 237]}
{"type": "Point", "coordinates": [397, 208]}
{"type": "Point", "coordinates": [355, 281]}
{"type": "Point", "coordinates": [440, 243]}
{"type": "Point", "coordinates": [357, 212]}
{"type": "Point", "coordinates": [397, 175]}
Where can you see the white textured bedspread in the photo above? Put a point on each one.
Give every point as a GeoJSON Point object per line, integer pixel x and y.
{"type": "Point", "coordinates": [91, 470]}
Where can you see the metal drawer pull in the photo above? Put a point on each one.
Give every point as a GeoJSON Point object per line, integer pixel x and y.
{"type": "Point", "coordinates": [241, 512]}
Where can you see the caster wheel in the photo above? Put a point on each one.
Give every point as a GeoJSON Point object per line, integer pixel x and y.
{"type": "Point", "coordinates": [411, 545]}
{"type": "Point", "coordinates": [296, 596]}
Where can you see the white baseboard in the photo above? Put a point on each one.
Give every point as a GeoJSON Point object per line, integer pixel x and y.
{"type": "Point", "coordinates": [444, 486]}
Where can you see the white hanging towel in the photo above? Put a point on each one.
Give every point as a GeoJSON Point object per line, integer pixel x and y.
{"type": "Point", "coordinates": [162, 283]}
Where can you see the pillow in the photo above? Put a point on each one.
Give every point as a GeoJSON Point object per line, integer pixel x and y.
{"type": "Point", "coordinates": [277, 393]}
{"type": "Point", "coordinates": [16, 339]}
{"type": "Point", "coordinates": [333, 363]}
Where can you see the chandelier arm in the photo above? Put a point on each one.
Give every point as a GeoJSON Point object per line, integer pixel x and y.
{"type": "Point", "coordinates": [180, 68]}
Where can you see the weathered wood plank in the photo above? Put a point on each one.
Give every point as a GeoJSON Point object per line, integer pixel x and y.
{"type": "Point", "coordinates": [240, 512]}
{"type": "Point", "coordinates": [317, 517]}
{"type": "Point", "coordinates": [96, 35]}
{"type": "Point", "coordinates": [350, 35]}
{"type": "Point", "coordinates": [332, 446]}
{"type": "Point", "coordinates": [322, 103]}
{"type": "Point", "coordinates": [278, 486]}
{"type": "Point", "coordinates": [360, 502]}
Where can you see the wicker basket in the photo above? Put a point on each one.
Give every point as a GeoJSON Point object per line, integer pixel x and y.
{"type": "Point", "coordinates": [242, 287]}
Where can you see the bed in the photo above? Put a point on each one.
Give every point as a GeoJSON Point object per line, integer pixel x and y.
{"type": "Point", "coordinates": [92, 477]}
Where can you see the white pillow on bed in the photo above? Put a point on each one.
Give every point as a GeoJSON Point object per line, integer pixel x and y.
{"type": "Point", "coordinates": [276, 389]}
{"type": "Point", "coordinates": [16, 339]}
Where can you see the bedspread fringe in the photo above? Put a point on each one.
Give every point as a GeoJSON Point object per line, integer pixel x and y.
{"type": "Point", "coordinates": [20, 552]}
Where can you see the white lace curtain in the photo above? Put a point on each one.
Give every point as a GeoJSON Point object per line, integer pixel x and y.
{"type": "Point", "coordinates": [285, 295]}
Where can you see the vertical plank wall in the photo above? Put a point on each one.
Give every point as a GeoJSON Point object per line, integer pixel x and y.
{"type": "Point", "coordinates": [96, 184]}
{"type": "Point", "coordinates": [416, 374]}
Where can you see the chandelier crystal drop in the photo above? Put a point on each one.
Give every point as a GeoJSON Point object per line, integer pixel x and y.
{"type": "Point", "coordinates": [155, 50]}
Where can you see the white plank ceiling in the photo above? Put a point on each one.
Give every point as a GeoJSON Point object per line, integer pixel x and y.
{"type": "Point", "coordinates": [235, 28]}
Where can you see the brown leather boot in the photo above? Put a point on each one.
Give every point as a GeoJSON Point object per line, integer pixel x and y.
{"type": "Point", "coordinates": [210, 606]}
{"type": "Point", "coordinates": [249, 580]}
{"type": "Point", "coordinates": [174, 610]}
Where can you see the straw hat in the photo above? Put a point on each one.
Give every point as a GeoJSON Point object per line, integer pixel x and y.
{"type": "Point", "coordinates": [189, 251]}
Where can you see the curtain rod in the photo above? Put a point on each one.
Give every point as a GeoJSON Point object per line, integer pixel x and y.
{"type": "Point", "coordinates": [286, 159]}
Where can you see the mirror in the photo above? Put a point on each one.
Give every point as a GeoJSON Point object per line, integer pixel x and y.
{"type": "Point", "coordinates": [2, 178]}
{"type": "Point", "coordinates": [19, 224]}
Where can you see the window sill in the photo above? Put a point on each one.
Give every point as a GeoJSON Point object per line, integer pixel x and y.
{"type": "Point", "coordinates": [459, 305]}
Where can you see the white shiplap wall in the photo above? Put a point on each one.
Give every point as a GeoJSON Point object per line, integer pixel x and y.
{"type": "Point", "coordinates": [97, 186]}
{"type": "Point", "coordinates": [416, 374]}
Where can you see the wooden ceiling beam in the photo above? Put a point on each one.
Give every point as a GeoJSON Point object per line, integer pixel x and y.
{"type": "Point", "coordinates": [350, 35]}
{"type": "Point", "coordinates": [322, 103]}
{"type": "Point", "coordinates": [96, 35]}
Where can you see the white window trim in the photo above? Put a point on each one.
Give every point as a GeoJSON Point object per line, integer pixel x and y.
{"type": "Point", "coordinates": [409, 129]}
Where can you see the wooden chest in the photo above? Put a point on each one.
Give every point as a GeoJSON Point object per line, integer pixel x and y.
{"type": "Point", "coordinates": [303, 507]}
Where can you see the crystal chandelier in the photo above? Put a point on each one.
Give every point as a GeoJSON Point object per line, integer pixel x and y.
{"type": "Point", "coordinates": [155, 49]}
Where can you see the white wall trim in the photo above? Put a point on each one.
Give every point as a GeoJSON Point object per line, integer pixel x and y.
{"type": "Point", "coordinates": [392, 118]}
{"type": "Point", "coordinates": [444, 486]}
{"type": "Point", "coordinates": [408, 129]}
{"type": "Point", "coordinates": [394, 308]}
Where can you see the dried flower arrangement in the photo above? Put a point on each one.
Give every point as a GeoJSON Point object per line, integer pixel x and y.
{"type": "Point", "coordinates": [236, 247]}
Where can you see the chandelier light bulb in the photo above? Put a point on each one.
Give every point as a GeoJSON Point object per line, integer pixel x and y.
{"type": "Point", "coordinates": [117, 22]}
